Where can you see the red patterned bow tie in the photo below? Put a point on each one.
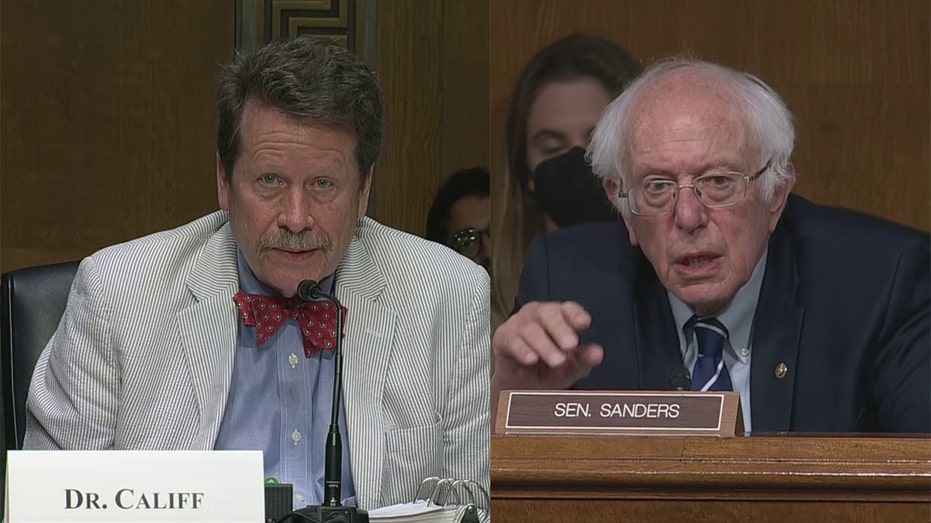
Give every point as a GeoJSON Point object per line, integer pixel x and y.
{"type": "Point", "coordinates": [267, 314]}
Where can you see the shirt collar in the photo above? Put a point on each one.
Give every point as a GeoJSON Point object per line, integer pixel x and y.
{"type": "Point", "coordinates": [737, 316]}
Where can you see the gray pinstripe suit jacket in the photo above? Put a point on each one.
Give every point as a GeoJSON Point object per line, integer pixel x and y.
{"type": "Point", "coordinates": [143, 355]}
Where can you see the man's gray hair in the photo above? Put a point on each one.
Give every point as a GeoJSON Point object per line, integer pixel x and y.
{"type": "Point", "coordinates": [767, 118]}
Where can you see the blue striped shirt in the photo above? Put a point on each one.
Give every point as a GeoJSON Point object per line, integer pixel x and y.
{"type": "Point", "coordinates": [280, 402]}
{"type": "Point", "coordinates": [737, 317]}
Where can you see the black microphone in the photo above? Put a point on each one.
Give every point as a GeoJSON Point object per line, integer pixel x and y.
{"type": "Point", "coordinates": [680, 379]}
{"type": "Point", "coordinates": [331, 511]}
{"type": "Point", "coordinates": [309, 290]}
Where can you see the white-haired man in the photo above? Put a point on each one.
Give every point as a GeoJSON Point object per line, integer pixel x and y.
{"type": "Point", "coordinates": [818, 317]}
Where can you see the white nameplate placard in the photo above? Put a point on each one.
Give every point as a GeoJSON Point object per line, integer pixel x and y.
{"type": "Point", "coordinates": [134, 486]}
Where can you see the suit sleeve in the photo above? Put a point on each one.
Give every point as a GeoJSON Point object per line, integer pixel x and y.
{"type": "Point", "coordinates": [534, 278]}
{"type": "Point", "coordinates": [466, 418]}
{"type": "Point", "coordinates": [902, 388]}
{"type": "Point", "coordinates": [73, 397]}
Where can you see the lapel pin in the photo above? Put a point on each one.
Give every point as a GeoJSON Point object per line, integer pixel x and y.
{"type": "Point", "coordinates": [781, 370]}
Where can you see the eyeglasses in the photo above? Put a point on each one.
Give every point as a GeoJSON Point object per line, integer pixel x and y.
{"type": "Point", "coordinates": [656, 197]}
{"type": "Point", "coordinates": [468, 242]}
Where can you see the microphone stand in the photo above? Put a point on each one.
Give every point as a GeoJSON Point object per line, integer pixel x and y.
{"type": "Point", "coordinates": [332, 510]}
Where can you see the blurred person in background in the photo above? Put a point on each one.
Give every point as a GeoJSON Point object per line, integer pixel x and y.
{"type": "Point", "coordinates": [556, 103]}
{"type": "Point", "coordinates": [460, 215]}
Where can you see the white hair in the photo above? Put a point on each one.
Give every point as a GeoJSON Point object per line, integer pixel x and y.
{"type": "Point", "coordinates": [767, 119]}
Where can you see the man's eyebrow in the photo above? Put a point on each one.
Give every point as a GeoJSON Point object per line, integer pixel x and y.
{"type": "Point", "coordinates": [652, 171]}
{"type": "Point", "coordinates": [723, 165]}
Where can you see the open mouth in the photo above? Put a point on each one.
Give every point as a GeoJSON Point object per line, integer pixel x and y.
{"type": "Point", "coordinates": [696, 261]}
{"type": "Point", "coordinates": [697, 265]}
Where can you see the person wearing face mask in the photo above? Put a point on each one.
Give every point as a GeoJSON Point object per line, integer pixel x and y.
{"type": "Point", "coordinates": [556, 103]}
{"type": "Point", "coordinates": [568, 192]}
{"type": "Point", "coordinates": [817, 316]}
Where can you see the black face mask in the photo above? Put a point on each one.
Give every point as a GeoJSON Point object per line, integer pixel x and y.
{"type": "Point", "coordinates": [568, 191]}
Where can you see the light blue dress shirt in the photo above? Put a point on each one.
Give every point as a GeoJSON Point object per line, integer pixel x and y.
{"type": "Point", "coordinates": [737, 317]}
{"type": "Point", "coordinates": [280, 402]}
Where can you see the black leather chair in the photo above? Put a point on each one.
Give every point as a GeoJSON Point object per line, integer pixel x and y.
{"type": "Point", "coordinates": [32, 302]}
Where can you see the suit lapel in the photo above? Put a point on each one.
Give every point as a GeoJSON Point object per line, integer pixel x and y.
{"type": "Point", "coordinates": [208, 337]}
{"type": "Point", "coordinates": [367, 349]}
{"type": "Point", "coordinates": [658, 352]}
{"type": "Point", "coordinates": [777, 327]}
{"type": "Point", "coordinates": [208, 332]}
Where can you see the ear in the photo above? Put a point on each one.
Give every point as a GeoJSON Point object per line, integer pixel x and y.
{"type": "Point", "coordinates": [612, 189]}
{"type": "Point", "coordinates": [364, 192]}
{"type": "Point", "coordinates": [223, 186]}
{"type": "Point", "coordinates": [778, 203]}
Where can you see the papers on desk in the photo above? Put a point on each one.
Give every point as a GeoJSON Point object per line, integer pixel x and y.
{"type": "Point", "coordinates": [417, 512]}
{"type": "Point", "coordinates": [439, 501]}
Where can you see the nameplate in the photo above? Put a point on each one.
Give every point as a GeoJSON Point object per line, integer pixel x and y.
{"type": "Point", "coordinates": [134, 486]}
{"type": "Point", "coordinates": [661, 413]}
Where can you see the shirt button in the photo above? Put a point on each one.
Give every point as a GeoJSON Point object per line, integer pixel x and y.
{"type": "Point", "coordinates": [744, 352]}
{"type": "Point", "coordinates": [292, 359]}
{"type": "Point", "coordinates": [296, 436]}
{"type": "Point", "coordinates": [299, 498]}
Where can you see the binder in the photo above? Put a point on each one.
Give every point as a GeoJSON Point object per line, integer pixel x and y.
{"type": "Point", "coordinates": [439, 500]}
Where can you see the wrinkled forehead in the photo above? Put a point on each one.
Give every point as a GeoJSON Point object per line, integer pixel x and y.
{"type": "Point", "coordinates": [688, 118]}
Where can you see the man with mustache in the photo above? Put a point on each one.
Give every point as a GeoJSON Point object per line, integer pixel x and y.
{"type": "Point", "coordinates": [818, 317]}
{"type": "Point", "coordinates": [194, 338]}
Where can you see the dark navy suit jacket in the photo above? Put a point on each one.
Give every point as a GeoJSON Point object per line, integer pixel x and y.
{"type": "Point", "coordinates": [844, 304]}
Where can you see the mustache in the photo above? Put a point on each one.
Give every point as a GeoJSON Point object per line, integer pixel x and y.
{"type": "Point", "coordinates": [289, 241]}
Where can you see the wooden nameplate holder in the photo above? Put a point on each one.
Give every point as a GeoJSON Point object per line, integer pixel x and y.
{"type": "Point", "coordinates": [640, 413]}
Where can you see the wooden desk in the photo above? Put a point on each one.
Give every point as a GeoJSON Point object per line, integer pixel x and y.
{"type": "Point", "coordinates": [778, 478]}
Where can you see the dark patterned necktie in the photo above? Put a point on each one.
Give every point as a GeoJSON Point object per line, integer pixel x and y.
{"type": "Point", "coordinates": [317, 319]}
{"type": "Point", "coordinates": [709, 372]}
